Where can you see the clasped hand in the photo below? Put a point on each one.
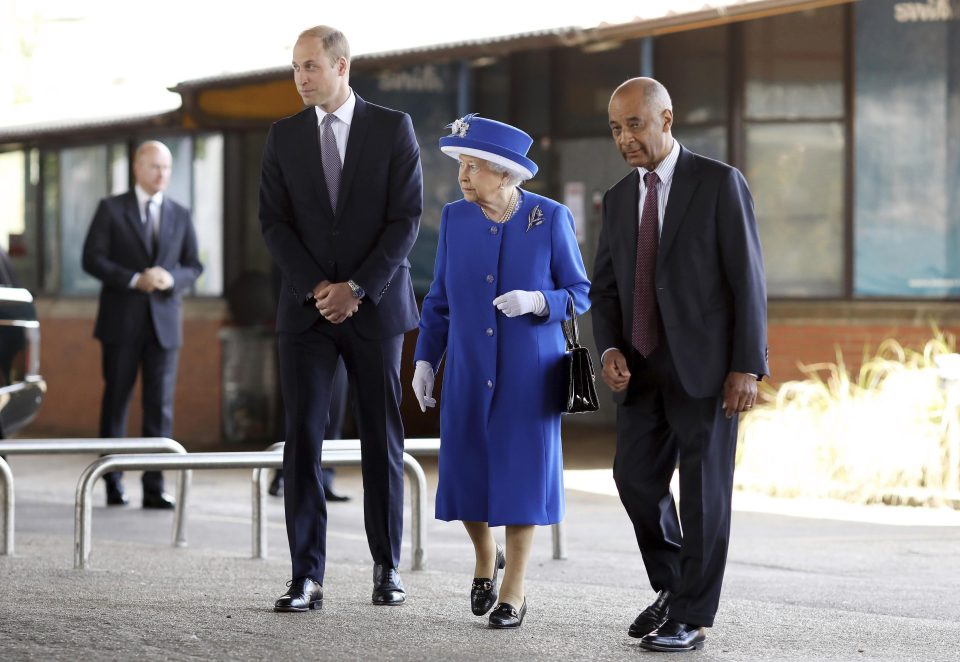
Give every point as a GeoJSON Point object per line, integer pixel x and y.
{"type": "Point", "coordinates": [154, 279]}
{"type": "Point", "coordinates": [335, 301]}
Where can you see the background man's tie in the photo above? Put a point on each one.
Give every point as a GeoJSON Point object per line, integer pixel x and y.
{"type": "Point", "coordinates": [150, 228]}
{"type": "Point", "coordinates": [646, 315]}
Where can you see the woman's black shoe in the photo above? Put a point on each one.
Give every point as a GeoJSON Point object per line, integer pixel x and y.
{"type": "Point", "coordinates": [506, 616]}
{"type": "Point", "coordinates": [483, 595]}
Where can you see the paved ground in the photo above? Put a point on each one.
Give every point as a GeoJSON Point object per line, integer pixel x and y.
{"type": "Point", "coordinates": [827, 587]}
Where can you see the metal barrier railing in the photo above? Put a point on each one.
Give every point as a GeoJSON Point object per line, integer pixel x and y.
{"type": "Point", "coordinates": [231, 460]}
{"type": "Point", "coordinates": [97, 445]}
{"type": "Point", "coordinates": [6, 482]}
{"type": "Point", "coordinates": [416, 447]}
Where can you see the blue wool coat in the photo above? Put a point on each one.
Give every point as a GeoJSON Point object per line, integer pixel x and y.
{"type": "Point", "coordinates": [501, 460]}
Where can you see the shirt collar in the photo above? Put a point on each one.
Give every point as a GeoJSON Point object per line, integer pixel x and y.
{"type": "Point", "coordinates": [344, 113]}
{"type": "Point", "coordinates": [143, 196]}
{"type": "Point", "coordinates": [666, 167]}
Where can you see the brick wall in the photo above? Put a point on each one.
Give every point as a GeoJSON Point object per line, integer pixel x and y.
{"type": "Point", "coordinates": [799, 333]}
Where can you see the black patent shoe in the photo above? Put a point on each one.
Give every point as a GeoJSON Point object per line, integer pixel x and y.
{"type": "Point", "coordinates": [483, 595]}
{"type": "Point", "coordinates": [674, 636]}
{"type": "Point", "coordinates": [505, 616]}
{"type": "Point", "coordinates": [652, 617]}
{"type": "Point", "coordinates": [303, 594]}
{"type": "Point", "coordinates": [387, 586]}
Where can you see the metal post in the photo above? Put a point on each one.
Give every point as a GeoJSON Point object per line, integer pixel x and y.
{"type": "Point", "coordinates": [259, 517]}
{"type": "Point", "coordinates": [7, 484]}
{"type": "Point", "coordinates": [559, 542]}
{"type": "Point", "coordinates": [418, 511]}
{"type": "Point", "coordinates": [83, 445]}
{"type": "Point", "coordinates": [180, 512]}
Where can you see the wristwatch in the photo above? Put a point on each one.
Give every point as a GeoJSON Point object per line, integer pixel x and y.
{"type": "Point", "coordinates": [358, 292]}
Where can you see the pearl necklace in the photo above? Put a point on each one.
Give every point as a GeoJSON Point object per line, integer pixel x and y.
{"type": "Point", "coordinates": [508, 212]}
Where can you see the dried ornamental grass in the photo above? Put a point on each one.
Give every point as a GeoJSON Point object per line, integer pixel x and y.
{"type": "Point", "coordinates": [888, 431]}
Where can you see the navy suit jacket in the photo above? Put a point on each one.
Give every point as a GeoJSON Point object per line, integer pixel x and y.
{"type": "Point", "coordinates": [115, 249]}
{"type": "Point", "coordinates": [710, 282]}
{"type": "Point", "coordinates": [366, 239]}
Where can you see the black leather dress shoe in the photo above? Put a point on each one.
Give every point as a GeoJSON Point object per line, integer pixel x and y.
{"type": "Point", "coordinates": [652, 617]}
{"type": "Point", "coordinates": [674, 636]}
{"type": "Point", "coordinates": [333, 496]}
{"type": "Point", "coordinates": [161, 501]}
{"type": "Point", "coordinates": [506, 616]}
{"type": "Point", "coordinates": [116, 497]}
{"type": "Point", "coordinates": [387, 587]}
{"type": "Point", "coordinates": [483, 595]}
{"type": "Point", "coordinates": [303, 594]}
{"type": "Point", "coordinates": [276, 485]}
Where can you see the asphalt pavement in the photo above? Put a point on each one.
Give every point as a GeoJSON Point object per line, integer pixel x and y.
{"type": "Point", "coordinates": [827, 581]}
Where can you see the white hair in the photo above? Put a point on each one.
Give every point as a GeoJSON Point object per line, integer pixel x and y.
{"type": "Point", "coordinates": [514, 176]}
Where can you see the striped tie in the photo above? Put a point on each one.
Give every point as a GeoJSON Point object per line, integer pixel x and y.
{"type": "Point", "coordinates": [331, 158]}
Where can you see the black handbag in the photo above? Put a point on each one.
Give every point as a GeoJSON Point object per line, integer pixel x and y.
{"type": "Point", "coordinates": [580, 392]}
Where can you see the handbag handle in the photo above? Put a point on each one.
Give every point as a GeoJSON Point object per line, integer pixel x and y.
{"type": "Point", "coordinates": [571, 332]}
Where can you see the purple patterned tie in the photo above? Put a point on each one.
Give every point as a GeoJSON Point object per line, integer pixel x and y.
{"type": "Point", "coordinates": [646, 316]}
{"type": "Point", "coordinates": [331, 158]}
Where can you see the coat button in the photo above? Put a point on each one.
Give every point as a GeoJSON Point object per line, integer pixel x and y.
{"type": "Point", "coordinates": [489, 332]}
{"type": "Point", "coordinates": [489, 278]}
{"type": "Point", "coordinates": [489, 383]}
{"type": "Point", "coordinates": [494, 230]}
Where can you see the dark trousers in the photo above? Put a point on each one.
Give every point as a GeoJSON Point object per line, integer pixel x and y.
{"type": "Point", "coordinates": [659, 426]}
{"type": "Point", "coordinates": [308, 362]}
{"type": "Point", "coordinates": [158, 367]}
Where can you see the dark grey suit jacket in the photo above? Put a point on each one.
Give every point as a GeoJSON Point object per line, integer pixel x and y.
{"type": "Point", "coordinates": [115, 249]}
{"type": "Point", "coordinates": [710, 281]}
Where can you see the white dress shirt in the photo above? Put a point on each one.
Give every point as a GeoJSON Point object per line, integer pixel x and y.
{"type": "Point", "coordinates": [156, 202]}
{"type": "Point", "coordinates": [341, 129]}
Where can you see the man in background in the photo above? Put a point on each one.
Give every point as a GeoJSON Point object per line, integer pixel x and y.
{"type": "Point", "coordinates": [142, 247]}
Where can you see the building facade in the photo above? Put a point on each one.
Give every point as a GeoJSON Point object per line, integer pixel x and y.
{"type": "Point", "coordinates": [844, 117]}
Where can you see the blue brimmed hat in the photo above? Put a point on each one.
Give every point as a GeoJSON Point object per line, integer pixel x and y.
{"type": "Point", "coordinates": [491, 140]}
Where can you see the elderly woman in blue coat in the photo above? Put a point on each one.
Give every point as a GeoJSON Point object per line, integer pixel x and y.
{"type": "Point", "coordinates": [508, 268]}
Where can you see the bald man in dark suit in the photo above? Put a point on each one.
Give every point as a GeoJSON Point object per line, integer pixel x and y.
{"type": "Point", "coordinates": [680, 318]}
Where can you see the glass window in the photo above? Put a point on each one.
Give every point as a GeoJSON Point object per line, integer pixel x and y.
{"type": "Point", "coordinates": [12, 209]}
{"type": "Point", "coordinates": [50, 165]}
{"type": "Point", "coordinates": [208, 212]}
{"type": "Point", "coordinates": [795, 64]}
{"type": "Point", "coordinates": [491, 96]}
{"type": "Point", "coordinates": [704, 139]}
{"type": "Point", "coordinates": [533, 94]}
{"type": "Point", "coordinates": [83, 182]}
{"type": "Point", "coordinates": [796, 175]}
{"type": "Point", "coordinates": [693, 67]}
{"type": "Point", "coordinates": [589, 79]}
{"type": "Point", "coordinates": [119, 169]}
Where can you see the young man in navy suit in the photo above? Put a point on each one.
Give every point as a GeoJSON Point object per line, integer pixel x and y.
{"type": "Point", "coordinates": [341, 193]}
{"type": "Point", "coordinates": [680, 318]}
{"type": "Point", "coordinates": [142, 246]}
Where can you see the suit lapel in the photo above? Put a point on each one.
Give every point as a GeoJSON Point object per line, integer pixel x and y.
{"type": "Point", "coordinates": [682, 188]}
{"type": "Point", "coordinates": [627, 209]}
{"type": "Point", "coordinates": [167, 222]}
{"type": "Point", "coordinates": [311, 138]}
{"type": "Point", "coordinates": [358, 135]}
{"type": "Point", "coordinates": [132, 214]}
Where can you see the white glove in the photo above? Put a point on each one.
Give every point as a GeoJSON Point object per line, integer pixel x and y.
{"type": "Point", "coordinates": [423, 385]}
{"type": "Point", "coordinates": [521, 302]}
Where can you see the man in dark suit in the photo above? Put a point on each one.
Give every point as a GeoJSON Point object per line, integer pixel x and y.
{"type": "Point", "coordinates": [679, 316]}
{"type": "Point", "coordinates": [341, 194]}
{"type": "Point", "coordinates": [142, 246]}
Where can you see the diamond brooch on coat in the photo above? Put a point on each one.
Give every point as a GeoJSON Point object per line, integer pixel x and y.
{"type": "Point", "coordinates": [535, 218]}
